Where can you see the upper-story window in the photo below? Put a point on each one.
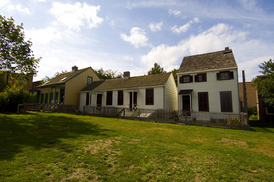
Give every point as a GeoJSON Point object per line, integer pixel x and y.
{"type": "Point", "coordinates": [90, 80]}
{"type": "Point", "coordinates": [200, 77]}
{"type": "Point", "coordinates": [186, 79]}
{"type": "Point", "coordinates": [225, 75]}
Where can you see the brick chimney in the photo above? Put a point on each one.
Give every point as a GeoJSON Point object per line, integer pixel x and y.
{"type": "Point", "coordinates": [227, 50]}
{"type": "Point", "coordinates": [74, 68]}
{"type": "Point", "coordinates": [126, 74]}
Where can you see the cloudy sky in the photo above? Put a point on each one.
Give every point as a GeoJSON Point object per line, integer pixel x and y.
{"type": "Point", "coordinates": [131, 35]}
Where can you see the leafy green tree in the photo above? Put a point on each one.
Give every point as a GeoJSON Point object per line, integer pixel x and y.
{"type": "Point", "coordinates": [156, 69]}
{"type": "Point", "coordinates": [107, 74]}
{"type": "Point", "coordinates": [265, 85]}
{"type": "Point", "coordinates": [174, 72]}
{"type": "Point", "coordinates": [16, 56]}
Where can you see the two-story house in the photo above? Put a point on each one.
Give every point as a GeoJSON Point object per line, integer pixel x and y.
{"type": "Point", "coordinates": [208, 83]}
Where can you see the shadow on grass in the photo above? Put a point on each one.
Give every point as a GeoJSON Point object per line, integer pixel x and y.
{"type": "Point", "coordinates": [40, 131]}
{"type": "Point", "coordinates": [258, 126]}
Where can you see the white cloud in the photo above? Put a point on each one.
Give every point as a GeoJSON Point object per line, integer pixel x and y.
{"type": "Point", "coordinates": [128, 58]}
{"type": "Point", "coordinates": [12, 7]}
{"type": "Point", "coordinates": [137, 37]}
{"type": "Point", "coordinates": [215, 38]}
{"type": "Point", "coordinates": [76, 15]}
{"type": "Point", "coordinates": [185, 27]}
{"type": "Point", "coordinates": [155, 27]}
{"type": "Point", "coordinates": [44, 36]}
{"type": "Point", "coordinates": [3, 3]}
{"type": "Point", "coordinates": [175, 12]}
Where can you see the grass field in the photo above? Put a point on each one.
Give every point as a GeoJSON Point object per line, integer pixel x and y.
{"type": "Point", "coordinates": [63, 147]}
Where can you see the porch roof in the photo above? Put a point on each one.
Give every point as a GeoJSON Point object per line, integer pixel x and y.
{"type": "Point", "coordinates": [187, 91]}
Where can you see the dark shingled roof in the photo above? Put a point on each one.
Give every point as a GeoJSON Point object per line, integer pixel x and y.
{"type": "Point", "coordinates": [132, 82]}
{"type": "Point", "coordinates": [208, 61]}
{"type": "Point", "coordinates": [63, 77]}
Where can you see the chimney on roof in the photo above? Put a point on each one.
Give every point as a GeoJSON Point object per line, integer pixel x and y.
{"type": "Point", "coordinates": [126, 74]}
{"type": "Point", "coordinates": [227, 50]}
{"type": "Point", "coordinates": [74, 68]}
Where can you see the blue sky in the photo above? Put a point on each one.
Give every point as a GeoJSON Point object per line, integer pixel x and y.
{"type": "Point", "coordinates": [131, 35]}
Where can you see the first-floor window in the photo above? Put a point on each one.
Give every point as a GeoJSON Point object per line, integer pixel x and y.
{"type": "Point", "coordinates": [109, 98]}
{"type": "Point", "coordinates": [149, 96]}
{"type": "Point", "coordinates": [120, 97]}
{"type": "Point", "coordinates": [226, 101]}
{"type": "Point", "coordinates": [203, 101]}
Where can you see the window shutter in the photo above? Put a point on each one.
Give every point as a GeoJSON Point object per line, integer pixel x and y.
{"type": "Point", "coordinates": [218, 76]}
{"type": "Point", "coordinates": [226, 101]}
{"type": "Point", "coordinates": [196, 78]}
{"type": "Point", "coordinates": [109, 98]}
{"type": "Point", "coordinates": [150, 96]}
{"type": "Point", "coordinates": [231, 75]}
{"type": "Point", "coordinates": [190, 78]}
{"type": "Point", "coordinates": [181, 79]}
{"type": "Point", "coordinates": [204, 77]}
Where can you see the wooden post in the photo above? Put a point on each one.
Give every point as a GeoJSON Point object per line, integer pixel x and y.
{"type": "Point", "coordinates": [245, 99]}
{"type": "Point", "coordinates": [185, 116]}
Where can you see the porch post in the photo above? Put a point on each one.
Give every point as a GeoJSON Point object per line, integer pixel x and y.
{"type": "Point", "coordinates": [55, 99]}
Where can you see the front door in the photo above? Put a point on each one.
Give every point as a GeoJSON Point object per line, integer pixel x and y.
{"type": "Point", "coordinates": [186, 103]}
{"type": "Point", "coordinates": [99, 100]}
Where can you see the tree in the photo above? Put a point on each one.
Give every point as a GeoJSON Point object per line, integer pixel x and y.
{"type": "Point", "coordinates": [156, 69]}
{"type": "Point", "coordinates": [265, 85]}
{"type": "Point", "coordinates": [174, 72]}
{"type": "Point", "coordinates": [16, 56]}
{"type": "Point", "coordinates": [108, 74]}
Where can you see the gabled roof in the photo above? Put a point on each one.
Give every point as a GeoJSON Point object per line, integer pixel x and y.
{"type": "Point", "coordinates": [126, 83]}
{"type": "Point", "coordinates": [208, 61]}
{"type": "Point", "coordinates": [63, 78]}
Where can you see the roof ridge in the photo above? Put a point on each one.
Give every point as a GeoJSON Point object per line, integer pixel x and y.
{"type": "Point", "coordinates": [206, 53]}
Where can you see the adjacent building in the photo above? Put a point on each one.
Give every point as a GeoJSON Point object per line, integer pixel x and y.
{"type": "Point", "coordinates": [64, 88]}
{"type": "Point", "coordinates": [208, 83]}
{"type": "Point", "coordinates": [157, 91]}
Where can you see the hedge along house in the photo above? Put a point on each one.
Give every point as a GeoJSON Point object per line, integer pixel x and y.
{"type": "Point", "coordinates": [153, 92]}
{"type": "Point", "coordinates": [208, 83]}
{"type": "Point", "coordinates": [64, 88]}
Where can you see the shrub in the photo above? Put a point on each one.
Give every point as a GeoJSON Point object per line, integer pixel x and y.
{"type": "Point", "coordinates": [234, 121]}
{"type": "Point", "coordinates": [9, 99]}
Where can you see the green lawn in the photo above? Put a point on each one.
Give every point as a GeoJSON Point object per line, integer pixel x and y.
{"type": "Point", "coordinates": [63, 147]}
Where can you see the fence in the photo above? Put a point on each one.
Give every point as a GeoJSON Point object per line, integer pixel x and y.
{"type": "Point", "coordinates": [161, 115]}
{"type": "Point", "coordinates": [71, 109]}
{"type": "Point", "coordinates": [213, 119]}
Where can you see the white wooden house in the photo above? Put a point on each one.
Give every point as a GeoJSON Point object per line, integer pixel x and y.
{"type": "Point", "coordinates": [156, 91]}
{"type": "Point", "coordinates": [208, 83]}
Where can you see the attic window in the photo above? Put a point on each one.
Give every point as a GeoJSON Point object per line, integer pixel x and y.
{"type": "Point", "coordinates": [63, 79]}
